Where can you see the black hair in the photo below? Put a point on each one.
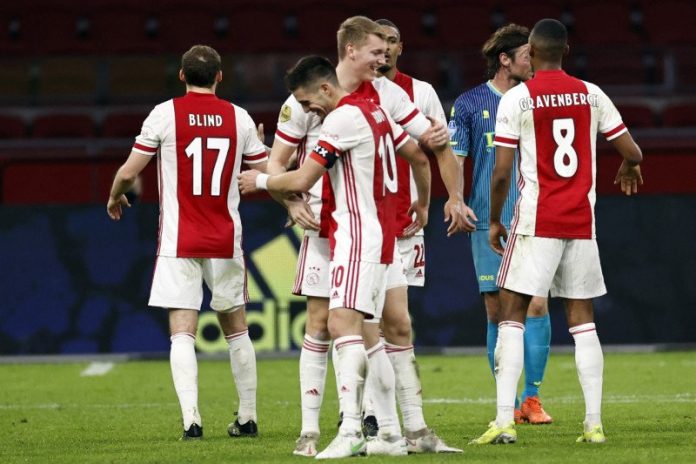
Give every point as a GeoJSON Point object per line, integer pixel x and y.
{"type": "Point", "coordinates": [308, 70]}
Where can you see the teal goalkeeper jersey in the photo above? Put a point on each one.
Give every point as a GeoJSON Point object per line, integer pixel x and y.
{"type": "Point", "coordinates": [472, 127]}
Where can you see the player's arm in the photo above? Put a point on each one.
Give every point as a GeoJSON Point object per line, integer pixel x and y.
{"type": "Point", "coordinates": [420, 167]}
{"type": "Point", "coordinates": [452, 174]}
{"type": "Point", "coordinates": [125, 177]}
{"type": "Point", "coordinates": [629, 176]}
{"type": "Point", "coordinates": [297, 181]}
{"type": "Point", "coordinates": [500, 186]}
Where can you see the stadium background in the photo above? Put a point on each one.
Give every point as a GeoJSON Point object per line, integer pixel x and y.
{"type": "Point", "coordinates": [77, 79]}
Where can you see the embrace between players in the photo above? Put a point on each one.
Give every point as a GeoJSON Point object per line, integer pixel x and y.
{"type": "Point", "coordinates": [361, 192]}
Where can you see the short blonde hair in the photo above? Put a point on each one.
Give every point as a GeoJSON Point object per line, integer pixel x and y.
{"type": "Point", "coordinates": [355, 30]}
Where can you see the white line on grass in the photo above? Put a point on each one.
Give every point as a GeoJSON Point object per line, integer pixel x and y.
{"type": "Point", "coordinates": [96, 369]}
{"type": "Point", "coordinates": [610, 399]}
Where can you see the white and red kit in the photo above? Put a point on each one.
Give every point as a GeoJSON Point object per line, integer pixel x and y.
{"type": "Point", "coordinates": [200, 142]}
{"type": "Point", "coordinates": [299, 129]}
{"type": "Point", "coordinates": [357, 145]}
{"type": "Point", "coordinates": [554, 119]}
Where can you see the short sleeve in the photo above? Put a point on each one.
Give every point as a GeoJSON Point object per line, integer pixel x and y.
{"type": "Point", "coordinates": [610, 123]}
{"type": "Point", "coordinates": [508, 120]}
{"type": "Point", "coordinates": [293, 122]}
{"type": "Point", "coordinates": [397, 103]}
{"type": "Point", "coordinates": [339, 133]}
{"type": "Point", "coordinates": [460, 128]}
{"type": "Point", "coordinates": [151, 133]}
{"type": "Point", "coordinates": [431, 104]}
{"type": "Point", "coordinates": [253, 151]}
{"type": "Point", "coordinates": [399, 135]}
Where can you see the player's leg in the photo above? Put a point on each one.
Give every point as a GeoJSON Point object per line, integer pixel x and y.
{"type": "Point", "coordinates": [486, 265]}
{"type": "Point", "coordinates": [396, 325]}
{"type": "Point", "coordinates": [578, 280]}
{"type": "Point", "coordinates": [312, 281]}
{"type": "Point", "coordinates": [177, 283]}
{"type": "Point", "coordinates": [527, 268]}
{"type": "Point", "coordinates": [183, 324]}
{"type": "Point", "coordinates": [357, 289]}
{"type": "Point", "coordinates": [537, 342]}
{"type": "Point", "coordinates": [226, 279]}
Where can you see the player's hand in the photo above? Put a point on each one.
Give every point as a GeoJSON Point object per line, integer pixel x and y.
{"type": "Point", "coordinates": [114, 207]}
{"type": "Point", "coordinates": [437, 136]}
{"type": "Point", "coordinates": [247, 181]}
{"type": "Point", "coordinates": [496, 232]}
{"type": "Point", "coordinates": [460, 215]}
{"type": "Point", "coordinates": [301, 214]}
{"type": "Point", "coordinates": [421, 220]}
{"type": "Point", "coordinates": [629, 177]}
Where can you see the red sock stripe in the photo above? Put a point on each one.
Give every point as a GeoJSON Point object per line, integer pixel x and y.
{"type": "Point", "coordinates": [182, 334]}
{"type": "Point", "coordinates": [355, 341]}
{"type": "Point", "coordinates": [516, 325]}
{"type": "Point", "coordinates": [577, 330]}
{"type": "Point", "coordinates": [318, 347]}
{"type": "Point", "coordinates": [375, 349]}
{"type": "Point", "coordinates": [237, 335]}
{"type": "Point", "coordinates": [397, 348]}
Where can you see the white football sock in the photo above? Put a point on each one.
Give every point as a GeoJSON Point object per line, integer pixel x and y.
{"type": "Point", "coordinates": [334, 362]}
{"type": "Point", "coordinates": [589, 361]}
{"type": "Point", "coordinates": [509, 361]}
{"type": "Point", "coordinates": [313, 362]}
{"type": "Point", "coordinates": [243, 362]}
{"type": "Point", "coordinates": [408, 386]}
{"type": "Point", "coordinates": [381, 384]}
{"type": "Point", "coordinates": [182, 358]}
{"type": "Point", "coordinates": [352, 370]}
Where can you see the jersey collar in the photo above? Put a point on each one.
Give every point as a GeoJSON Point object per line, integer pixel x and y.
{"type": "Point", "coordinates": [494, 89]}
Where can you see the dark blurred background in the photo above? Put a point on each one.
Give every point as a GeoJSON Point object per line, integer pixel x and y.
{"type": "Point", "coordinates": [78, 77]}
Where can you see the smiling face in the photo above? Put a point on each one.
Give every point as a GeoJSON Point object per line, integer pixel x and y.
{"type": "Point", "coordinates": [314, 99]}
{"type": "Point", "coordinates": [368, 57]}
{"type": "Point", "coordinates": [394, 48]}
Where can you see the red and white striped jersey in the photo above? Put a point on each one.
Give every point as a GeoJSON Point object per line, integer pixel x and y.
{"type": "Point", "coordinates": [299, 129]}
{"type": "Point", "coordinates": [554, 118]}
{"type": "Point", "coordinates": [201, 142]}
{"type": "Point", "coordinates": [357, 145]}
{"type": "Point", "coordinates": [426, 100]}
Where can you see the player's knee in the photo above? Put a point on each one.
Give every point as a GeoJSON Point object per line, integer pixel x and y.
{"type": "Point", "coordinates": [317, 325]}
{"type": "Point", "coordinates": [397, 328]}
{"type": "Point", "coordinates": [538, 307]}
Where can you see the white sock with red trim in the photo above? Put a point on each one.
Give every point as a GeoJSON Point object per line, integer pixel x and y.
{"type": "Point", "coordinates": [381, 384]}
{"type": "Point", "coordinates": [509, 361]}
{"type": "Point", "coordinates": [408, 386]}
{"type": "Point", "coordinates": [313, 362]}
{"type": "Point", "coordinates": [352, 370]}
{"type": "Point", "coordinates": [243, 362]}
{"type": "Point", "coordinates": [589, 361]}
{"type": "Point", "coordinates": [182, 358]}
{"type": "Point", "coordinates": [334, 362]}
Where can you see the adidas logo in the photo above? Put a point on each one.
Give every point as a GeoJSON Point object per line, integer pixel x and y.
{"type": "Point", "coordinates": [345, 389]}
{"type": "Point", "coordinates": [312, 392]}
{"type": "Point", "coordinates": [419, 273]}
{"type": "Point", "coordinates": [334, 294]}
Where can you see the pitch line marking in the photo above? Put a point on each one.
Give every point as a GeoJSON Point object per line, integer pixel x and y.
{"type": "Point", "coordinates": [96, 369]}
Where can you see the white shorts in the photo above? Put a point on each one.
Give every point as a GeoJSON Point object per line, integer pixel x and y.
{"type": "Point", "coordinates": [178, 283]}
{"type": "Point", "coordinates": [358, 285]}
{"type": "Point", "coordinates": [412, 252]}
{"type": "Point", "coordinates": [568, 268]}
{"type": "Point", "coordinates": [396, 271]}
{"type": "Point", "coordinates": [312, 274]}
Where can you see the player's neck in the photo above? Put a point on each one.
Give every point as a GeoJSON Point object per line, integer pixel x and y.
{"type": "Point", "coordinates": [193, 88]}
{"type": "Point", "coordinates": [346, 78]}
{"type": "Point", "coordinates": [548, 66]}
{"type": "Point", "coordinates": [503, 82]}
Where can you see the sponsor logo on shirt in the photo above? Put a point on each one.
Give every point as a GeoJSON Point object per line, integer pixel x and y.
{"type": "Point", "coordinates": [486, 114]}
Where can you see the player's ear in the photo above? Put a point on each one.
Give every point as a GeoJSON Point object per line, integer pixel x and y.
{"type": "Point", "coordinates": [218, 76]}
{"type": "Point", "coordinates": [181, 76]}
{"type": "Point", "coordinates": [567, 50]}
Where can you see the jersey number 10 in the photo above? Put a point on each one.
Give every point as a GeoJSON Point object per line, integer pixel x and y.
{"type": "Point", "coordinates": [195, 150]}
{"type": "Point", "coordinates": [388, 157]}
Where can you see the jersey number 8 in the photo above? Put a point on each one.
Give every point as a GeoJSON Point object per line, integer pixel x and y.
{"type": "Point", "coordinates": [564, 135]}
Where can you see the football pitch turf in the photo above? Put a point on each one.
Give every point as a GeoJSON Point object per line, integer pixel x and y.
{"type": "Point", "coordinates": [53, 413]}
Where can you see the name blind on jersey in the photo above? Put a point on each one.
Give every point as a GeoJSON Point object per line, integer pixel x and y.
{"type": "Point", "coordinates": [205, 120]}
{"type": "Point", "coordinates": [559, 100]}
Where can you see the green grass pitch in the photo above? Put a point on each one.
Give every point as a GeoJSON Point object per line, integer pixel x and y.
{"type": "Point", "coordinates": [50, 413]}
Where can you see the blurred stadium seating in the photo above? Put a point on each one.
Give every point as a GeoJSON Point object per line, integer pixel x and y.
{"type": "Point", "coordinates": [87, 72]}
